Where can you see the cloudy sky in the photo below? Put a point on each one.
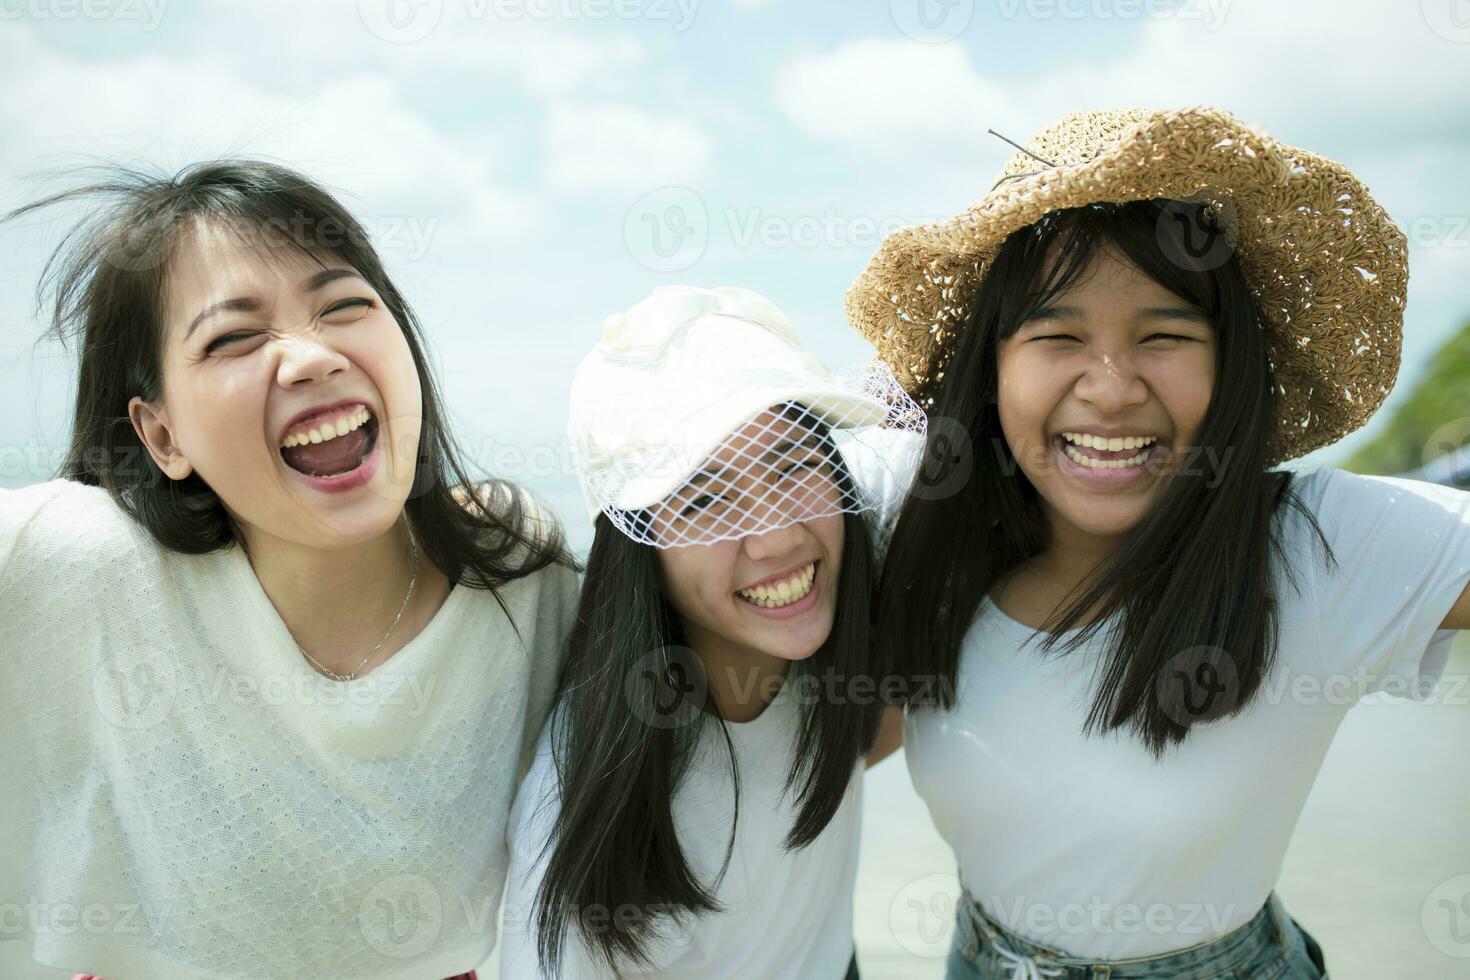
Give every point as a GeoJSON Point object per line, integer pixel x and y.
{"type": "Point", "coordinates": [529, 166]}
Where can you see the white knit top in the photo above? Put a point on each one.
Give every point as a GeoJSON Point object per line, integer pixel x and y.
{"type": "Point", "coordinates": [182, 796]}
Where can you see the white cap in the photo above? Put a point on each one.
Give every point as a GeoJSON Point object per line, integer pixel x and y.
{"type": "Point", "coordinates": [674, 376]}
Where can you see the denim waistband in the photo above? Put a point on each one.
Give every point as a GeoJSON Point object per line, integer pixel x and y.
{"type": "Point", "coordinates": [1270, 927]}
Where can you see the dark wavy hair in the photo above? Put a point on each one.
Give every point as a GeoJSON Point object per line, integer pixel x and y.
{"type": "Point", "coordinates": [1191, 584]}
{"type": "Point", "coordinates": [103, 288]}
{"type": "Point", "coordinates": [613, 844]}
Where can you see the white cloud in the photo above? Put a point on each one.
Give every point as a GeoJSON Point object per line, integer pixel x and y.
{"type": "Point", "coordinates": [893, 97]}
{"type": "Point", "coordinates": [1307, 69]}
{"type": "Point", "coordinates": [545, 62]}
{"type": "Point", "coordinates": [543, 57]}
{"type": "Point", "coordinates": [353, 132]}
{"type": "Point", "coordinates": [619, 148]}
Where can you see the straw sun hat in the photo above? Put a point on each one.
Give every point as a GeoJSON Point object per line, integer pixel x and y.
{"type": "Point", "coordinates": [1326, 264]}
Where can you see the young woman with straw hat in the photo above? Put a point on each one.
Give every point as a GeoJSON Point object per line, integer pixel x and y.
{"type": "Point", "coordinates": [1152, 634]}
{"type": "Point", "coordinates": [272, 670]}
{"type": "Point", "coordinates": [693, 810]}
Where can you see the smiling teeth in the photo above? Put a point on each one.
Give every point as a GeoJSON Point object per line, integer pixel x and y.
{"type": "Point", "coordinates": [328, 430]}
{"type": "Point", "coordinates": [784, 592]}
{"type": "Point", "coordinates": [1113, 445]}
{"type": "Point", "coordinates": [1106, 464]}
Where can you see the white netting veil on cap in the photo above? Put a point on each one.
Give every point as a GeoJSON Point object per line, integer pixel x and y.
{"type": "Point", "coordinates": [699, 418]}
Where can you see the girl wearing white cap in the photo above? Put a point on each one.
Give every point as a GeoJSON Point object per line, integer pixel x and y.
{"type": "Point", "coordinates": [271, 671]}
{"type": "Point", "coordinates": [1148, 312]}
{"type": "Point", "coordinates": [693, 809]}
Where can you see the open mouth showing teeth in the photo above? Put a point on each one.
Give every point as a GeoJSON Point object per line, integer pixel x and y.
{"type": "Point", "coordinates": [791, 589]}
{"type": "Point", "coordinates": [1099, 453]}
{"type": "Point", "coordinates": [331, 446]}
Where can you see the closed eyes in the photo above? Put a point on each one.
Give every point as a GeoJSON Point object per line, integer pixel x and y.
{"type": "Point", "coordinates": [698, 503]}
{"type": "Point", "coordinates": [358, 301]}
{"type": "Point", "coordinates": [1067, 336]}
{"type": "Point", "coordinates": [707, 500]}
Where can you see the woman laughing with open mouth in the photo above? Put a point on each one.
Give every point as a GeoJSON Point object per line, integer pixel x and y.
{"type": "Point", "coordinates": [272, 666]}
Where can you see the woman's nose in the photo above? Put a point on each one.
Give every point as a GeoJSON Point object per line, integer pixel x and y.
{"type": "Point", "coordinates": [307, 359]}
{"type": "Point", "coordinates": [774, 543]}
{"type": "Point", "coordinates": [1111, 383]}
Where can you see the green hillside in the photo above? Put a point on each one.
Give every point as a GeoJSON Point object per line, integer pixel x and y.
{"type": "Point", "coordinates": [1438, 409]}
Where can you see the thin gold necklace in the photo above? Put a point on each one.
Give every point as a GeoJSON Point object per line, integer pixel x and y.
{"type": "Point", "coordinates": [412, 581]}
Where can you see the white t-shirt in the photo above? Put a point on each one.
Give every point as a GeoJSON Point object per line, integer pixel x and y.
{"type": "Point", "coordinates": [1089, 845]}
{"type": "Point", "coordinates": [788, 913]}
{"type": "Point", "coordinates": [182, 796]}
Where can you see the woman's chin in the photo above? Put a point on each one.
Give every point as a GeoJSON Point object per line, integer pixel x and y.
{"type": "Point", "coordinates": [1105, 521]}
{"type": "Point", "coordinates": [795, 654]}
{"type": "Point", "coordinates": [797, 640]}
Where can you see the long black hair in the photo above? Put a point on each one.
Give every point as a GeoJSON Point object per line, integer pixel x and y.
{"type": "Point", "coordinates": [613, 844]}
{"type": "Point", "coordinates": [1192, 583]}
{"type": "Point", "coordinates": [103, 287]}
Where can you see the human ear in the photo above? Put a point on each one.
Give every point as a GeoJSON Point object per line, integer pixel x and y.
{"type": "Point", "coordinates": [154, 432]}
